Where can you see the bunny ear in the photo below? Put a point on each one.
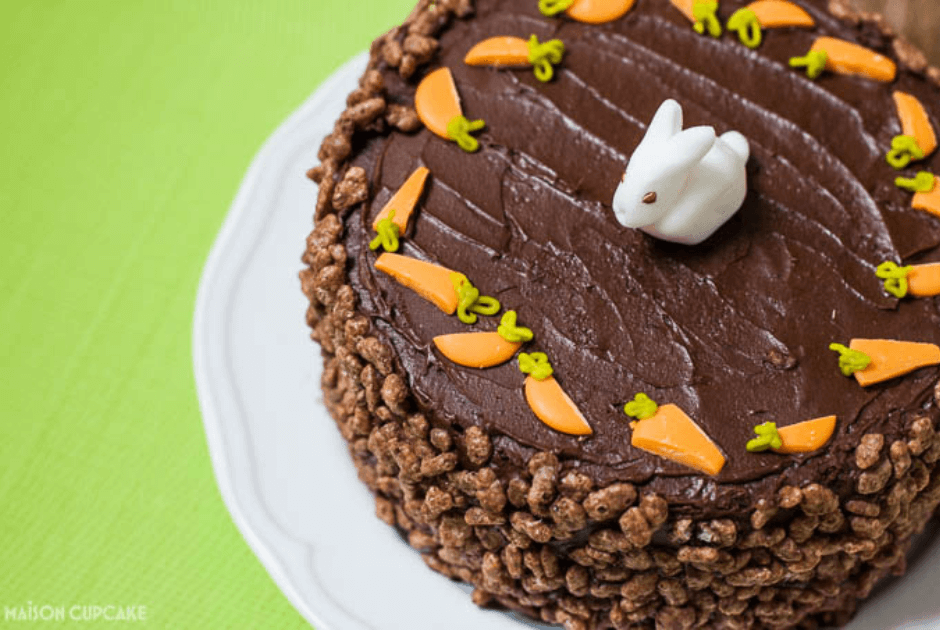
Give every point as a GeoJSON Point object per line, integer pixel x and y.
{"type": "Point", "coordinates": [667, 122]}
{"type": "Point", "coordinates": [691, 145]}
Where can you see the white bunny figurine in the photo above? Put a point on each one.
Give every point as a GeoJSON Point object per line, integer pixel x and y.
{"type": "Point", "coordinates": [681, 186]}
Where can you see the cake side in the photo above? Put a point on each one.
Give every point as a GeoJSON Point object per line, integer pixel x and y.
{"type": "Point", "coordinates": [533, 531]}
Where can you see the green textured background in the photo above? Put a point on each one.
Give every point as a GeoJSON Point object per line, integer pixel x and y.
{"type": "Point", "coordinates": [127, 127]}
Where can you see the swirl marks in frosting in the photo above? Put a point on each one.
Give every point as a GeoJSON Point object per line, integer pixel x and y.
{"type": "Point", "coordinates": [733, 331]}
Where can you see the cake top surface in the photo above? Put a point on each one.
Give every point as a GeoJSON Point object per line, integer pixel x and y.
{"type": "Point", "coordinates": [734, 331]}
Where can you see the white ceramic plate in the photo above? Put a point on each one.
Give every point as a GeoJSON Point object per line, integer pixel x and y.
{"type": "Point", "coordinates": [281, 466]}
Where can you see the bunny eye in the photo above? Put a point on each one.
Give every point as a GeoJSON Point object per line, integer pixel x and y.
{"type": "Point", "coordinates": [650, 197]}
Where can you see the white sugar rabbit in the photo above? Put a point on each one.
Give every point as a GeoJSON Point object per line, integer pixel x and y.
{"type": "Point", "coordinates": [681, 186]}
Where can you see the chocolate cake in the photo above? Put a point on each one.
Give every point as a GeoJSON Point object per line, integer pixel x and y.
{"type": "Point", "coordinates": [595, 528]}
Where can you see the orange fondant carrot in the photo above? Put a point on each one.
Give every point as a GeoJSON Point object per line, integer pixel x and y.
{"type": "Point", "coordinates": [924, 280]}
{"type": "Point", "coordinates": [437, 101]}
{"type": "Point", "coordinates": [499, 51]}
{"type": "Point", "coordinates": [806, 437]}
{"type": "Point", "coordinates": [780, 13]}
{"type": "Point", "coordinates": [915, 122]}
{"type": "Point", "coordinates": [671, 434]}
{"type": "Point", "coordinates": [552, 405]}
{"type": "Point", "coordinates": [403, 202]}
{"type": "Point", "coordinates": [702, 13]}
{"type": "Point", "coordinates": [476, 349]}
{"type": "Point", "coordinates": [928, 201]}
{"type": "Point", "coordinates": [890, 359]}
{"type": "Point", "coordinates": [430, 281]}
{"type": "Point", "coordinates": [599, 11]}
{"type": "Point", "coordinates": [848, 58]}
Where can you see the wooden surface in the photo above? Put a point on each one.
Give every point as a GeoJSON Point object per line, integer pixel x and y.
{"type": "Point", "coordinates": [918, 20]}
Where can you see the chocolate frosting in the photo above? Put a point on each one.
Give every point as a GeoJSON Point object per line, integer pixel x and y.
{"type": "Point", "coordinates": [735, 331]}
